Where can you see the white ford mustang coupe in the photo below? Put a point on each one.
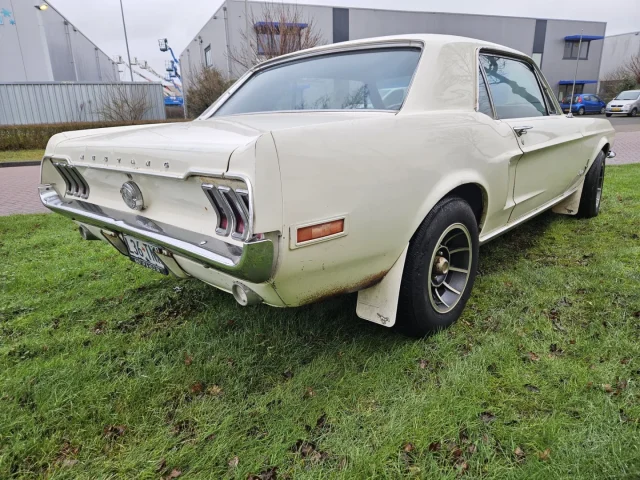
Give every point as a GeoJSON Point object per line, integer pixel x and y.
{"type": "Point", "coordinates": [378, 166]}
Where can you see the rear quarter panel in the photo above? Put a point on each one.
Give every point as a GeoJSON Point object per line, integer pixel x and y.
{"type": "Point", "coordinates": [385, 174]}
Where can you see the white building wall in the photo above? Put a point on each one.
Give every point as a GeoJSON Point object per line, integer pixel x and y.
{"type": "Point", "coordinates": [617, 51]}
{"type": "Point", "coordinates": [38, 46]}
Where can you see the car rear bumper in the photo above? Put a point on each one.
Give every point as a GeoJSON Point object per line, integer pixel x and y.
{"type": "Point", "coordinates": [253, 261]}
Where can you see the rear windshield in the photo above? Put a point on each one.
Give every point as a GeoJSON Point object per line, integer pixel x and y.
{"type": "Point", "coordinates": [371, 79]}
{"type": "Point", "coordinates": [576, 99]}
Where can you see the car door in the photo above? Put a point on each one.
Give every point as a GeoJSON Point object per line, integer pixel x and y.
{"type": "Point", "coordinates": [552, 144]}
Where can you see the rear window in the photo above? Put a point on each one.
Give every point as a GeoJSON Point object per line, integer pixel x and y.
{"type": "Point", "coordinates": [372, 79]}
{"type": "Point", "coordinates": [567, 99]}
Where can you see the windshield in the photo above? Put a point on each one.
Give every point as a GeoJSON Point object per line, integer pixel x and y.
{"type": "Point", "coordinates": [371, 79]}
{"type": "Point", "coordinates": [628, 96]}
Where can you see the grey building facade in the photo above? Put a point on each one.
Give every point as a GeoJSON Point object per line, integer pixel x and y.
{"type": "Point", "coordinates": [618, 51]}
{"type": "Point", "coordinates": [553, 44]}
{"type": "Point", "coordinates": [42, 45]}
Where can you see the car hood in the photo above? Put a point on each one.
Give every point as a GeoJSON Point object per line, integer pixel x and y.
{"type": "Point", "coordinates": [176, 149]}
{"type": "Point", "coordinates": [622, 102]}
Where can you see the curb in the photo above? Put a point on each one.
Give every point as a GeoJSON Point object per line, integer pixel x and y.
{"type": "Point", "coordinates": [28, 163]}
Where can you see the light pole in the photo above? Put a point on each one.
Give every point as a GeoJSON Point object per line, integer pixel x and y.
{"type": "Point", "coordinates": [126, 41]}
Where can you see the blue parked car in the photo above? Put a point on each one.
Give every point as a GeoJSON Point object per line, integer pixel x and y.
{"type": "Point", "coordinates": [583, 103]}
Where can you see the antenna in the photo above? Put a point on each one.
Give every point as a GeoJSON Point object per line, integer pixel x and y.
{"type": "Point", "coordinates": [575, 76]}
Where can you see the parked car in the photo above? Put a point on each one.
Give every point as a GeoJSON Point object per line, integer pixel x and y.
{"type": "Point", "coordinates": [626, 103]}
{"type": "Point", "coordinates": [289, 195]}
{"type": "Point", "coordinates": [583, 103]}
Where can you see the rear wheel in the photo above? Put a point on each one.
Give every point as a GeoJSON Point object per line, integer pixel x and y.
{"type": "Point", "coordinates": [592, 189]}
{"type": "Point", "coordinates": [439, 270]}
{"type": "Point", "coordinates": [602, 110]}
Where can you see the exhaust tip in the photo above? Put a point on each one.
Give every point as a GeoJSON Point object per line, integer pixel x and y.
{"type": "Point", "coordinates": [244, 295]}
{"type": "Point", "coordinates": [86, 234]}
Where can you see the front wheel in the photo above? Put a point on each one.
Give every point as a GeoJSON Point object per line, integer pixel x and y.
{"type": "Point", "coordinates": [608, 115]}
{"type": "Point", "coordinates": [439, 270]}
{"type": "Point", "coordinates": [592, 189]}
{"type": "Point", "coordinates": [633, 112]}
{"type": "Point", "coordinates": [581, 111]}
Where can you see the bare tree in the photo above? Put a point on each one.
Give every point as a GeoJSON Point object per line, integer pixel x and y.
{"type": "Point", "coordinates": [278, 29]}
{"type": "Point", "coordinates": [124, 103]}
{"type": "Point", "coordinates": [618, 80]}
{"type": "Point", "coordinates": [633, 66]}
{"type": "Point", "coordinates": [204, 88]}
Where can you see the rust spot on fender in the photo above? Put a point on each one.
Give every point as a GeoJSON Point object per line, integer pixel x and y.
{"type": "Point", "coordinates": [366, 282]}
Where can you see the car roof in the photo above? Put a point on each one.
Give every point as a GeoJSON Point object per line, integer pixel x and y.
{"type": "Point", "coordinates": [427, 39]}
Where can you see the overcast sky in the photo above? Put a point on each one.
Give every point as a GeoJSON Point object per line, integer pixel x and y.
{"type": "Point", "coordinates": [180, 20]}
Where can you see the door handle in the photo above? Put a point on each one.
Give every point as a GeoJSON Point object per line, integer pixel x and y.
{"type": "Point", "coordinates": [522, 130]}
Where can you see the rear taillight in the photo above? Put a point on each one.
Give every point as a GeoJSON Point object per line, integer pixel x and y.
{"type": "Point", "coordinates": [232, 209]}
{"type": "Point", "coordinates": [75, 183]}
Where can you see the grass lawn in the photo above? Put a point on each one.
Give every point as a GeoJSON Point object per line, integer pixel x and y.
{"type": "Point", "coordinates": [111, 370]}
{"type": "Point", "coordinates": [20, 155]}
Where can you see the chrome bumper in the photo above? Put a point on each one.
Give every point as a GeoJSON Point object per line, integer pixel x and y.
{"type": "Point", "coordinates": [252, 262]}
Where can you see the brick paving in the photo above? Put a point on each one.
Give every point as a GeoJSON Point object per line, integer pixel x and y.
{"type": "Point", "coordinates": [19, 193]}
{"type": "Point", "coordinates": [19, 190]}
{"type": "Point", "coordinates": [627, 148]}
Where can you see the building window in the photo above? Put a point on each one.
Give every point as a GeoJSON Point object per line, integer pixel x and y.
{"type": "Point", "coordinates": [565, 91]}
{"type": "Point", "coordinates": [571, 50]}
{"type": "Point", "coordinates": [207, 57]}
{"type": "Point", "coordinates": [269, 36]}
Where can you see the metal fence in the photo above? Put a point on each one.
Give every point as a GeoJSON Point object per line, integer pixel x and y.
{"type": "Point", "coordinates": [61, 102]}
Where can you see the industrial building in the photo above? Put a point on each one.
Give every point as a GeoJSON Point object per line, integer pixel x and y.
{"type": "Point", "coordinates": [618, 51]}
{"type": "Point", "coordinates": [553, 44]}
{"type": "Point", "coordinates": [38, 44]}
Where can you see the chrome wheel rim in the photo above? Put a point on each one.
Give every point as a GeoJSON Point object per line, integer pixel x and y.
{"type": "Point", "coordinates": [600, 185]}
{"type": "Point", "coordinates": [450, 268]}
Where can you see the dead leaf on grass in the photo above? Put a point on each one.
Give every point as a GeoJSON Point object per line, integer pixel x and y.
{"type": "Point", "coordinates": [532, 388]}
{"type": "Point", "coordinates": [408, 447]}
{"type": "Point", "coordinates": [175, 473]}
{"type": "Point", "coordinates": [114, 431]}
{"type": "Point", "coordinates": [519, 453]}
{"type": "Point", "coordinates": [233, 463]}
{"type": "Point", "coordinates": [544, 455]}
{"type": "Point", "coordinates": [422, 363]}
{"type": "Point", "coordinates": [435, 446]}
{"type": "Point", "coordinates": [309, 393]}
{"type": "Point", "coordinates": [215, 390]}
{"type": "Point", "coordinates": [197, 388]}
{"type": "Point", "coordinates": [532, 357]}
{"type": "Point", "coordinates": [68, 462]}
{"type": "Point", "coordinates": [487, 417]}
{"type": "Point", "coordinates": [188, 360]}
{"type": "Point", "coordinates": [269, 474]}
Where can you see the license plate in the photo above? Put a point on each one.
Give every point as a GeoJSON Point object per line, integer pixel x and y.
{"type": "Point", "coordinates": [566, 110]}
{"type": "Point", "coordinates": [144, 254]}
{"type": "Point", "coordinates": [616, 109]}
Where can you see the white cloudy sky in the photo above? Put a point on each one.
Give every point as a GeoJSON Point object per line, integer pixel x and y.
{"type": "Point", "coordinates": [180, 20]}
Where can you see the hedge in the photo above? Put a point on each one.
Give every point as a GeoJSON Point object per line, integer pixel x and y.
{"type": "Point", "coordinates": [23, 137]}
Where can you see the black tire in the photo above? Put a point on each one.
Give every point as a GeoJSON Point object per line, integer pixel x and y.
{"type": "Point", "coordinates": [602, 110]}
{"type": "Point", "coordinates": [608, 114]}
{"type": "Point", "coordinates": [592, 189]}
{"type": "Point", "coordinates": [581, 111]}
{"type": "Point", "coordinates": [449, 226]}
{"type": "Point", "coordinates": [633, 112]}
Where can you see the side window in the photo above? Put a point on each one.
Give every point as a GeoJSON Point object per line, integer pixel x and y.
{"type": "Point", "coordinates": [514, 87]}
{"type": "Point", "coordinates": [484, 104]}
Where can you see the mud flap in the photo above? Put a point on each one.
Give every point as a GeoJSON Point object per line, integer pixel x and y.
{"type": "Point", "coordinates": [379, 303]}
{"type": "Point", "coordinates": [571, 204]}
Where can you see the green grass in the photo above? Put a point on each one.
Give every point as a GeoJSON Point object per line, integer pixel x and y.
{"type": "Point", "coordinates": [20, 155]}
{"type": "Point", "coordinates": [110, 370]}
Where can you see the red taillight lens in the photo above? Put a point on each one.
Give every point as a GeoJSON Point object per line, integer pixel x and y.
{"type": "Point", "coordinates": [312, 232]}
